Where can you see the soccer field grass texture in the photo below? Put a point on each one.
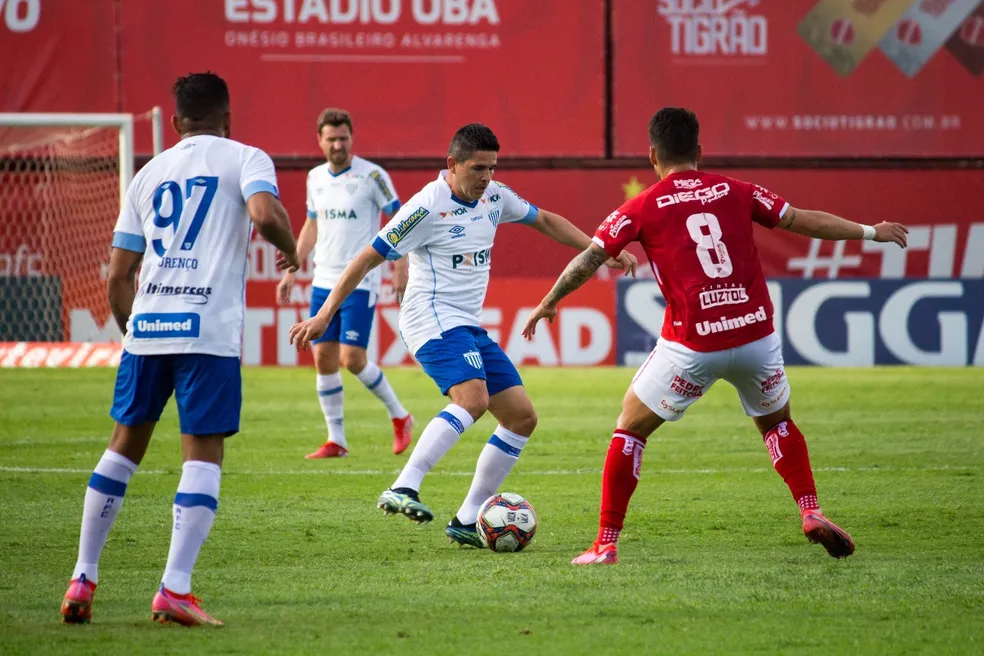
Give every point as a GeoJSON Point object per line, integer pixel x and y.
{"type": "Point", "coordinates": [301, 561]}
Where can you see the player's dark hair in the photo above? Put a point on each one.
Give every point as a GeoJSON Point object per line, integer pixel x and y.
{"type": "Point", "coordinates": [201, 100]}
{"type": "Point", "coordinates": [674, 132]}
{"type": "Point", "coordinates": [471, 138]}
{"type": "Point", "coordinates": [334, 117]}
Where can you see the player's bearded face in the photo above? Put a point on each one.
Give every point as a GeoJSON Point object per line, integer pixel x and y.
{"type": "Point", "coordinates": [336, 143]}
{"type": "Point", "coordinates": [474, 174]}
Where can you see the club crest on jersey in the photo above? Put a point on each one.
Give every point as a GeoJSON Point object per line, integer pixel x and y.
{"type": "Point", "coordinates": [396, 235]}
{"type": "Point", "coordinates": [474, 358]}
{"type": "Point", "coordinates": [457, 232]}
{"type": "Point", "coordinates": [689, 183]}
{"type": "Point", "coordinates": [493, 217]}
{"type": "Point", "coordinates": [351, 188]}
{"type": "Point", "coordinates": [381, 183]}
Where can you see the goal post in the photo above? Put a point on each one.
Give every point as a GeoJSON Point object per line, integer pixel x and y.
{"type": "Point", "coordinates": [63, 178]}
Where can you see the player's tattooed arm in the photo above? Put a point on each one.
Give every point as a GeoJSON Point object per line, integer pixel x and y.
{"type": "Point", "coordinates": [120, 283]}
{"type": "Point", "coordinates": [578, 272]}
{"type": "Point", "coordinates": [788, 218]}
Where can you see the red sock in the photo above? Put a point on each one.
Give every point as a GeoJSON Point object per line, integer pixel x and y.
{"type": "Point", "coordinates": [618, 482]}
{"type": "Point", "coordinates": [790, 457]}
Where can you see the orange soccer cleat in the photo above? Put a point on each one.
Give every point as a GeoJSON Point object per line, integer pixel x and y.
{"type": "Point", "coordinates": [820, 530]}
{"type": "Point", "coordinates": [76, 608]}
{"type": "Point", "coordinates": [402, 433]}
{"type": "Point", "coordinates": [328, 450]}
{"type": "Point", "coordinates": [169, 607]}
{"type": "Point", "coordinates": [598, 554]}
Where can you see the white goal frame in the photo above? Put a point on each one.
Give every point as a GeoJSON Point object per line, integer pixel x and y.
{"type": "Point", "coordinates": [122, 122]}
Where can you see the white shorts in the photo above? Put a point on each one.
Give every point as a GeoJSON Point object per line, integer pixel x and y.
{"type": "Point", "coordinates": [674, 376]}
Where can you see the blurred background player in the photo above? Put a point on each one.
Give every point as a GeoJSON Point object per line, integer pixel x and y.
{"type": "Point", "coordinates": [447, 229]}
{"type": "Point", "coordinates": [187, 215]}
{"type": "Point", "coordinates": [345, 196]}
{"type": "Point", "coordinates": [696, 230]}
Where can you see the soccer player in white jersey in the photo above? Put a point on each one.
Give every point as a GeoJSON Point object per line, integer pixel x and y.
{"type": "Point", "coordinates": [447, 229]}
{"type": "Point", "coordinates": [188, 215]}
{"type": "Point", "coordinates": [345, 197]}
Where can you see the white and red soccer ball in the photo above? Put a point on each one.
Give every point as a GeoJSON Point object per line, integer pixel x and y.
{"type": "Point", "coordinates": [506, 522]}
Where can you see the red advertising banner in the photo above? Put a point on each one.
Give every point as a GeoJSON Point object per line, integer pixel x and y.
{"type": "Point", "coordinates": [804, 77]}
{"type": "Point", "coordinates": [410, 71]}
{"type": "Point", "coordinates": [583, 334]}
{"type": "Point", "coordinates": [58, 56]}
{"type": "Point", "coordinates": [942, 208]}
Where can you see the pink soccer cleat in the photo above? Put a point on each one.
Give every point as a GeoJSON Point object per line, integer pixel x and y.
{"type": "Point", "coordinates": [328, 450]}
{"type": "Point", "coordinates": [598, 554]}
{"type": "Point", "coordinates": [76, 608]}
{"type": "Point", "coordinates": [820, 530]}
{"type": "Point", "coordinates": [402, 433]}
{"type": "Point", "coordinates": [169, 607]}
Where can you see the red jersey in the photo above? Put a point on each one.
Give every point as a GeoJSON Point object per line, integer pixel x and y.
{"type": "Point", "coordinates": [696, 230]}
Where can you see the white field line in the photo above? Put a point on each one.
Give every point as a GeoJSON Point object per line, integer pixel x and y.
{"type": "Point", "coordinates": [543, 472]}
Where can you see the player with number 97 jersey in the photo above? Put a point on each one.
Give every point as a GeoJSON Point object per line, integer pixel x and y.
{"type": "Point", "coordinates": [698, 227]}
{"type": "Point", "coordinates": [193, 279]}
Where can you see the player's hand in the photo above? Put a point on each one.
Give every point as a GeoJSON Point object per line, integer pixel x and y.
{"type": "Point", "coordinates": [541, 312]}
{"type": "Point", "coordinates": [625, 261]}
{"type": "Point", "coordinates": [287, 262]}
{"type": "Point", "coordinates": [284, 288]}
{"type": "Point", "coordinates": [892, 232]}
{"type": "Point", "coordinates": [302, 334]}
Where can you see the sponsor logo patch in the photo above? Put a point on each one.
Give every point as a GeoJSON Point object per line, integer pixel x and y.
{"type": "Point", "coordinates": [725, 324]}
{"type": "Point", "coordinates": [712, 298]}
{"type": "Point", "coordinates": [397, 234]}
{"type": "Point", "coordinates": [164, 325]}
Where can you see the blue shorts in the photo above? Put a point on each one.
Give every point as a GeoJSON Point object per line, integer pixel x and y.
{"type": "Point", "coordinates": [352, 323]}
{"type": "Point", "coordinates": [465, 353]}
{"type": "Point", "coordinates": [208, 389]}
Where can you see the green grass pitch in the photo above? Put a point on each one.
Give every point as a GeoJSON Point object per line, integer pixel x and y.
{"type": "Point", "coordinates": [713, 559]}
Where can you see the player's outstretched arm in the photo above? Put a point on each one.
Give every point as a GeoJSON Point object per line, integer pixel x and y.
{"type": "Point", "coordinates": [563, 231]}
{"type": "Point", "coordinates": [302, 334]}
{"type": "Point", "coordinates": [272, 222]}
{"type": "Point", "coordinates": [120, 283]}
{"type": "Point", "coordinates": [579, 271]}
{"type": "Point", "coordinates": [823, 225]}
{"type": "Point", "coordinates": [305, 244]}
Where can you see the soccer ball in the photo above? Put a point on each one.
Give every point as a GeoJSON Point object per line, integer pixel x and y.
{"type": "Point", "coordinates": [506, 522]}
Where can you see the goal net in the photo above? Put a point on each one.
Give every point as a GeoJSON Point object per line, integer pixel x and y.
{"type": "Point", "coordinates": [62, 178]}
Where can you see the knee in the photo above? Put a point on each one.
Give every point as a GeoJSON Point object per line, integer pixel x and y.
{"type": "Point", "coordinates": [474, 402]}
{"type": "Point", "coordinates": [354, 361]}
{"type": "Point", "coordinates": [522, 422]}
{"type": "Point", "coordinates": [324, 363]}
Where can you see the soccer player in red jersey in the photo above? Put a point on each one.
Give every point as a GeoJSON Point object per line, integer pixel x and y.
{"type": "Point", "coordinates": [696, 230]}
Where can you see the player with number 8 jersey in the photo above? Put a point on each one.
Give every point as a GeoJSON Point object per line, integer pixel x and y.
{"type": "Point", "coordinates": [715, 291]}
{"type": "Point", "coordinates": [696, 229]}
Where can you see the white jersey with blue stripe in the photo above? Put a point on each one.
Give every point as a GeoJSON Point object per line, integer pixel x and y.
{"type": "Point", "coordinates": [186, 212]}
{"type": "Point", "coordinates": [449, 241]}
{"type": "Point", "coordinates": [346, 206]}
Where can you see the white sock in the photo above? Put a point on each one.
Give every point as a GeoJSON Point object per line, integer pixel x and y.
{"type": "Point", "coordinates": [103, 499]}
{"type": "Point", "coordinates": [375, 381]}
{"type": "Point", "coordinates": [332, 399]}
{"type": "Point", "coordinates": [194, 510]}
{"type": "Point", "coordinates": [437, 439]}
{"type": "Point", "coordinates": [494, 464]}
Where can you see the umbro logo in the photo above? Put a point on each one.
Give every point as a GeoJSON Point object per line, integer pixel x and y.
{"type": "Point", "coordinates": [457, 231]}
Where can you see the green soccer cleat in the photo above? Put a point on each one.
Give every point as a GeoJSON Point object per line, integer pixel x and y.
{"type": "Point", "coordinates": [404, 502]}
{"type": "Point", "coordinates": [463, 534]}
